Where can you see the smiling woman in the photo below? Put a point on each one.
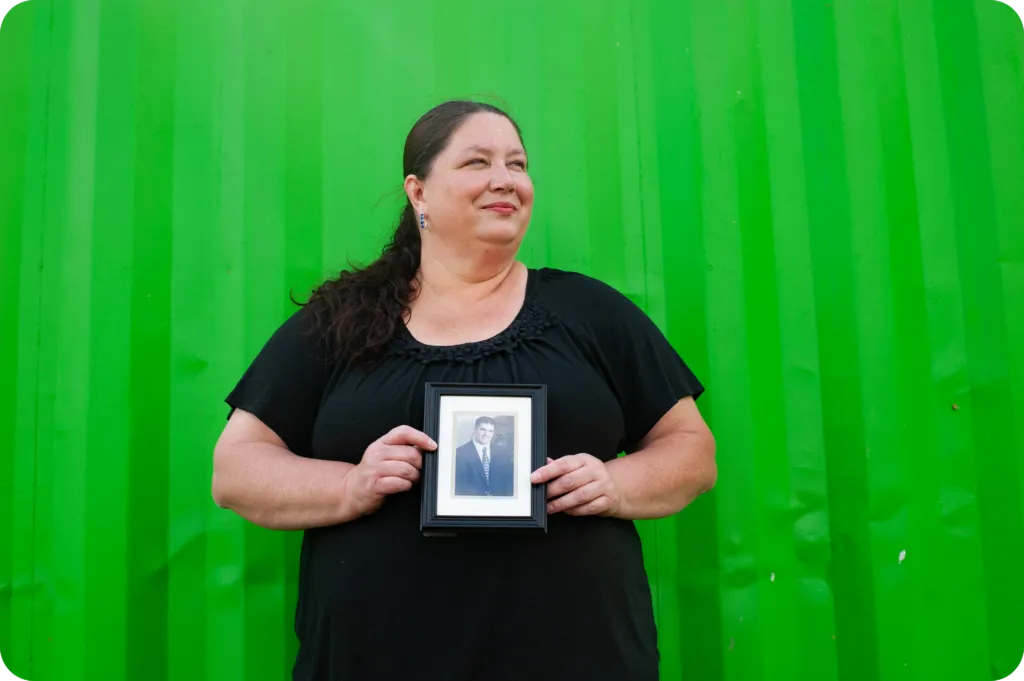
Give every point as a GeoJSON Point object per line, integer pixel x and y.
{"type": "Point", "coordinates": [324, 435]}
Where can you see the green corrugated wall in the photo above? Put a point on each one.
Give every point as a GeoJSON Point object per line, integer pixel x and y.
{"type": "Point", "coordinates": [821, 202]}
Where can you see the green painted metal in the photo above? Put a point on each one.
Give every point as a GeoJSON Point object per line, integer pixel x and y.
{"type": "Point", "coordinates": [819, 202]}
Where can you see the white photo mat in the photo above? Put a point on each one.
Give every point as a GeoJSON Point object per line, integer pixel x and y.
{"type": "Point", "coordinates": [450, 505]}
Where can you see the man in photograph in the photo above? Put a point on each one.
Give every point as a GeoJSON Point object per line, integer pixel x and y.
{"type": "Point", "coordinates": [480, 470]}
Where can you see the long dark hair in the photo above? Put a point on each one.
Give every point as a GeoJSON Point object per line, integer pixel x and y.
{"type": "Point", "coordinates": [360, 310]}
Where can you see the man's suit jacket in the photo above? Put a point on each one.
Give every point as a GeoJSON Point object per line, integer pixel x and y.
{"type": "Point", "coordinates": [469, 472]}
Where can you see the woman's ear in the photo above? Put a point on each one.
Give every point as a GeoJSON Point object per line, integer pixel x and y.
{"type": "Point", "coordinates": [416, 192]}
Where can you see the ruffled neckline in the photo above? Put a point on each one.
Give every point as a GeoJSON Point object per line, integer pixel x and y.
{"type": "Point", "coordinates": [529, 324]}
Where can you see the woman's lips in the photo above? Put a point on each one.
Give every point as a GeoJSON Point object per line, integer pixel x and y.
{"type": "Point", "coordinates": [501, 208]}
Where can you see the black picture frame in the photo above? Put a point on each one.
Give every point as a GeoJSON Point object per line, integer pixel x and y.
{"type": "Point", "coordinates": [523, 511]}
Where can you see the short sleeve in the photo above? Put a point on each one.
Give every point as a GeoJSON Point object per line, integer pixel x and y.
{"type": "Point", "coordinates": [285, 383]}
{"type": "Point", "coordinates": [644, 370]}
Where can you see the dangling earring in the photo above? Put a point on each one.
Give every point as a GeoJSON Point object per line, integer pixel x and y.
{"type": "Point", "coordinates": [423, 224]}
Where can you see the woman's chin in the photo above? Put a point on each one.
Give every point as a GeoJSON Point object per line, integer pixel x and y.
{"type": "Point", "coordinates": [500, 234]}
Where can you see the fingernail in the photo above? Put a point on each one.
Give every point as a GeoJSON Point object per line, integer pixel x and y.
{"type": "Point", "coordinates": [535, 477]}
{"type": "Point", "coordinates": [433, 444]}
{"type": "Point", "coordinates": [550, 507]}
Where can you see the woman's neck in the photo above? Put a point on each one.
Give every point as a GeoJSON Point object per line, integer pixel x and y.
{"type": "Point", "coordinates": [461, 282]}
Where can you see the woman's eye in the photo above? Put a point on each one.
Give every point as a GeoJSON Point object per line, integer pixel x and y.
{"type": "Point", "coordinates": [477, 160]}
{"type": "Point", "coordinates": [521, 164]}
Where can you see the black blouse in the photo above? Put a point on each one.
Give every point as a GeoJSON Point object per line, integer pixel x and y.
{"type": "Point", "coordinates": [378, 601]}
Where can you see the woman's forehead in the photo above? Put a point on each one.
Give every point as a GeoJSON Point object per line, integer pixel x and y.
{"type": "Point", "coordinates": [486, 132]}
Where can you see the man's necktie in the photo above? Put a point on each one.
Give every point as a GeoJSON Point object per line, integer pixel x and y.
{"type": "Point", "coordinates": [487, 466]}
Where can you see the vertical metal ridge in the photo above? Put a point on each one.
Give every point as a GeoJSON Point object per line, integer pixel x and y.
{"type": "Point", "coordinates": [24, 29]}
{"type": "Point", "coordinates": [839, 352]}
{"type": "Point", "coordinates": [107, 442]}
{"type": "Point", "coordinates": [987, 415]}
{"type": "Point", "coordinates": [149, 548]}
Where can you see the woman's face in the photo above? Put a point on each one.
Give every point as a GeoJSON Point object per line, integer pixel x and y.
{"type": "Point", "coordinates": [478, 189]}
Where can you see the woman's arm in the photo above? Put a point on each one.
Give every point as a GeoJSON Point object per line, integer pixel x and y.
{"type": "Point", "coordinates": [259, 478]}
{"type": "Point", "coordinates": [674, 464]}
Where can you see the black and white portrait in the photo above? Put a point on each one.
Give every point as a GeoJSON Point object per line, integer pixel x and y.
{"type": "Point", "coordinates": [485, 462]}
{"type": "Point", "coordinates": [484, 455]}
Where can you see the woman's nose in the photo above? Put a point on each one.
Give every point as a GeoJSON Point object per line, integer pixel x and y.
{"type": "Point", "coordinates": [502, 179]}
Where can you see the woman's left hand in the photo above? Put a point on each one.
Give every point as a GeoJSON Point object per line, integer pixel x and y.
{"type": "Point", "coordinates": [582, 484]}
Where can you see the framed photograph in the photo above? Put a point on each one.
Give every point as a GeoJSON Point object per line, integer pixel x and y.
{"type": "Point", "coordinates": [490, 438]}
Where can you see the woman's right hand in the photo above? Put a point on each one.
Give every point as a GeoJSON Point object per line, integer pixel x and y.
{"type": "Point", "coordinates": [389, 465]}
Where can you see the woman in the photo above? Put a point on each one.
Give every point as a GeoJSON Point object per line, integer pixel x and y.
{"type": "Point", "coordinates": [323, 436]}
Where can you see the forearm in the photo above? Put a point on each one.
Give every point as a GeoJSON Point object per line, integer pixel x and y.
{"type": "Point", "coordinates": [272, 487]}
{"type": "Point", "coordinates": [664, 477]}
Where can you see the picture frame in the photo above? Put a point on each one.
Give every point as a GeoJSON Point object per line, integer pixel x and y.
{"type": "Point", "coordinates": [490, 438]}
